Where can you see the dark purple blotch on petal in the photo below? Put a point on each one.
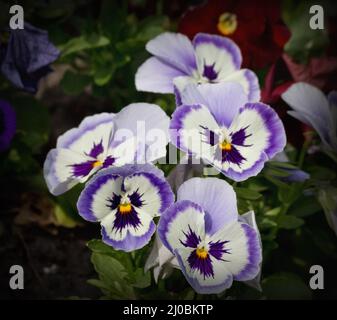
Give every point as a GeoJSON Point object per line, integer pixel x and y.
{"type": "Point", "coordinates": [232, 156]}
{"type": "Point", "coordinates": [210, 136]}
{"type": "Point", "coordinates": [81, 170]}
{"type": "Point", "coordinates": [217, 249]}
{"type": "Point", "coordinates": [209, 72]}
{"type": "Point", "coordinates": [123, 220]}
{"type": "Point", "coordinates": [192, 240]}
{"type": "Point", "coordinates": [109, 161]}
{"type": "Point", "coordinates": [136, 199]}
{"type": "Point", "coordinates": [239, 137]}
{"type": "Point", "coordinates": [203, 265]}
{"type": "Point", "coordinates": [96, 150]}
{"type": "Point", "coordinates": [114, 201]}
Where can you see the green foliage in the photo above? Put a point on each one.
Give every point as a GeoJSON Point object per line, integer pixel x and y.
{"type": "Point", "coordinates": [304, 42]}
{"type": "Point", "coordinates": [118, 276]}
{"type": "Point", "coordinates": [285, 286]}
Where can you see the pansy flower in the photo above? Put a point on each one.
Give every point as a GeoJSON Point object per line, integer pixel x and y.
{"type": "Point", "coordinates": [105, 140]}
{"type": "Point", "coordinates": [217, 124]}
{"type": "Point", "coordinates": [7, 124]}
{"type": "Point", "coordinates": [177, 62]}
{"type": "Point", "coordinates": [25, 56]}
{"type": "Point", "coordinates": [161, 259]}
{"type": "Point", "coordinates": [125, 200]}
{"type": "Point", "coordinates": [203, 230]}
{"type": "Point", "coordinates": [313, 108]}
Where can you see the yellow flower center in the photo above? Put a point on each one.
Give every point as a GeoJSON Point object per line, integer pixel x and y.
{"type": "Point", "coordinates": [124, 208]}
{"type": "Point", "coordinates": [227, 23]}
{"type": "Point", "coordinates": [225, 146]}
{"type": "Point", "coordinates": [202, 253]}
{"type": "Point", "coordinates": [97, 164]}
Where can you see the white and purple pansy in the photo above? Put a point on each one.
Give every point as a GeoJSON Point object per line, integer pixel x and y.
{"type": "Point", "coordinates": [105, 140]}
{"type": "Point", "coordinates": [177, 62]}
{"type": "Point", "coordinates": [311, 106]}
{"type": "Point", "coordinates": [125, 200]}
{"type": "Point", "coordinates": [217, 124]}
{"type": "Point", "coordinates": [212, 244]}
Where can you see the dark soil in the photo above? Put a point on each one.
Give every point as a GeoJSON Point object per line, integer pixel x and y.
{"type": "Point", "coordinates": [56, 263]}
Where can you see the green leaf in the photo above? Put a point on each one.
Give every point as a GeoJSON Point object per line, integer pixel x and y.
{"type": "Point", "coordinates": [247, 194]}
{"type": "Point", "coordinates": [113, 18]}
{"type": "Point", "coordinates": [327, 197]}
{"type": "Point", "coordinates": [33, 122]}
{"type": "Point", "coordinates": [289, 194]}
{"type": "Point", "coordinates": [285, 286]}
{"type": "Point", "coordinates": [99, 246]}
{"type": "Point", "coordinates": [304, 206]}
{"type": "Point", "coordinates": [267, 223]}
{"type": "Point", "coordinates": [140, 279]}
{"type": "Point", "coordinates": [74, 83]}
{"type": "Point", "coordinates": [82, 43]}
{"type": "Point", "coordinates": [113, 276]}
{"type": "Point", "coordinates": [282, 165]}
{"type": "Point", "coordinates": [63, 219]}
{"type": "Point", "coordinates": [321, 173]}
{"type": "Point", "coordinates": [289, 222]}
{"type": "Point", "coordinates": [273, 212]}
{"type": "Point", "coordinates": [304, 41]}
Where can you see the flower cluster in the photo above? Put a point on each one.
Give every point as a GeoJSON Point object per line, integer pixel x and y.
{"type": "Point", "coordinates": [218, 119]}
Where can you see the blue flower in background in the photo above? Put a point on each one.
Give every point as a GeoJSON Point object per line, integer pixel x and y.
{"type": "Point", "coordinates": [212, 244]}
{"type": "Point", "coordinates": [26, 56]}
{"type": "Point", "coordinates": [294, 175]}
{"type": "Point", "coordinates": [7, 124]}
{"type": "Point", "coordinates": [312, 107]}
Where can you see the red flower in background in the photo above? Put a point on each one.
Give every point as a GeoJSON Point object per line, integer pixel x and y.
{"type": "Point", "coordinates": [255, 26]}
{"type": "Point", "coordinates": [321, 72]}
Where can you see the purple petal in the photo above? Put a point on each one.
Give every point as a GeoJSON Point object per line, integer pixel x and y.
{"type": "Point", "coordinates": [177, 220]}
{"type": "Point", "coordinates": [149, 124]}
{"type": "Point", "coordinates": [310, 106]}
{"type": "Point", "coordinates": [174, 49]}
{"type": "Point", "coordinates": [130, 242]}
{"type": "Point", "coordinates": [156, 76]}
{"type": "Point", "coordinates": [220, 53]}
{"type": "Point", "coordinates": [223, 99]}
{"type": "Point", "coordinates": [215, 281]}
{"type": "Point", "coordinates": [87, 128]}
{"type": "Point", "coordinates": [215, 196]}
{"type": "Point", "coordinates": [155, 192]}
{"type": "Point", "coordinates": [254, 255]}
{"type": "Point", "coordinates": [249, 82]}
{"type": "Point", "coordinates": [95, 200]}
{"type": "Point", "coordinates": [59, 172]}
{"type": "Point", "coordinates": [130, 169]}
{"type": "Point", "coordinates": [189, 127]}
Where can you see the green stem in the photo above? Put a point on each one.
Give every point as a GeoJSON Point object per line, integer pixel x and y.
{"type": "Point", "coordinates": [304, 150]}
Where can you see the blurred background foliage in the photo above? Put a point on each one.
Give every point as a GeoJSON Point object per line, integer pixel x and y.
{"type": "Point", "coordinates": [102, 44]}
